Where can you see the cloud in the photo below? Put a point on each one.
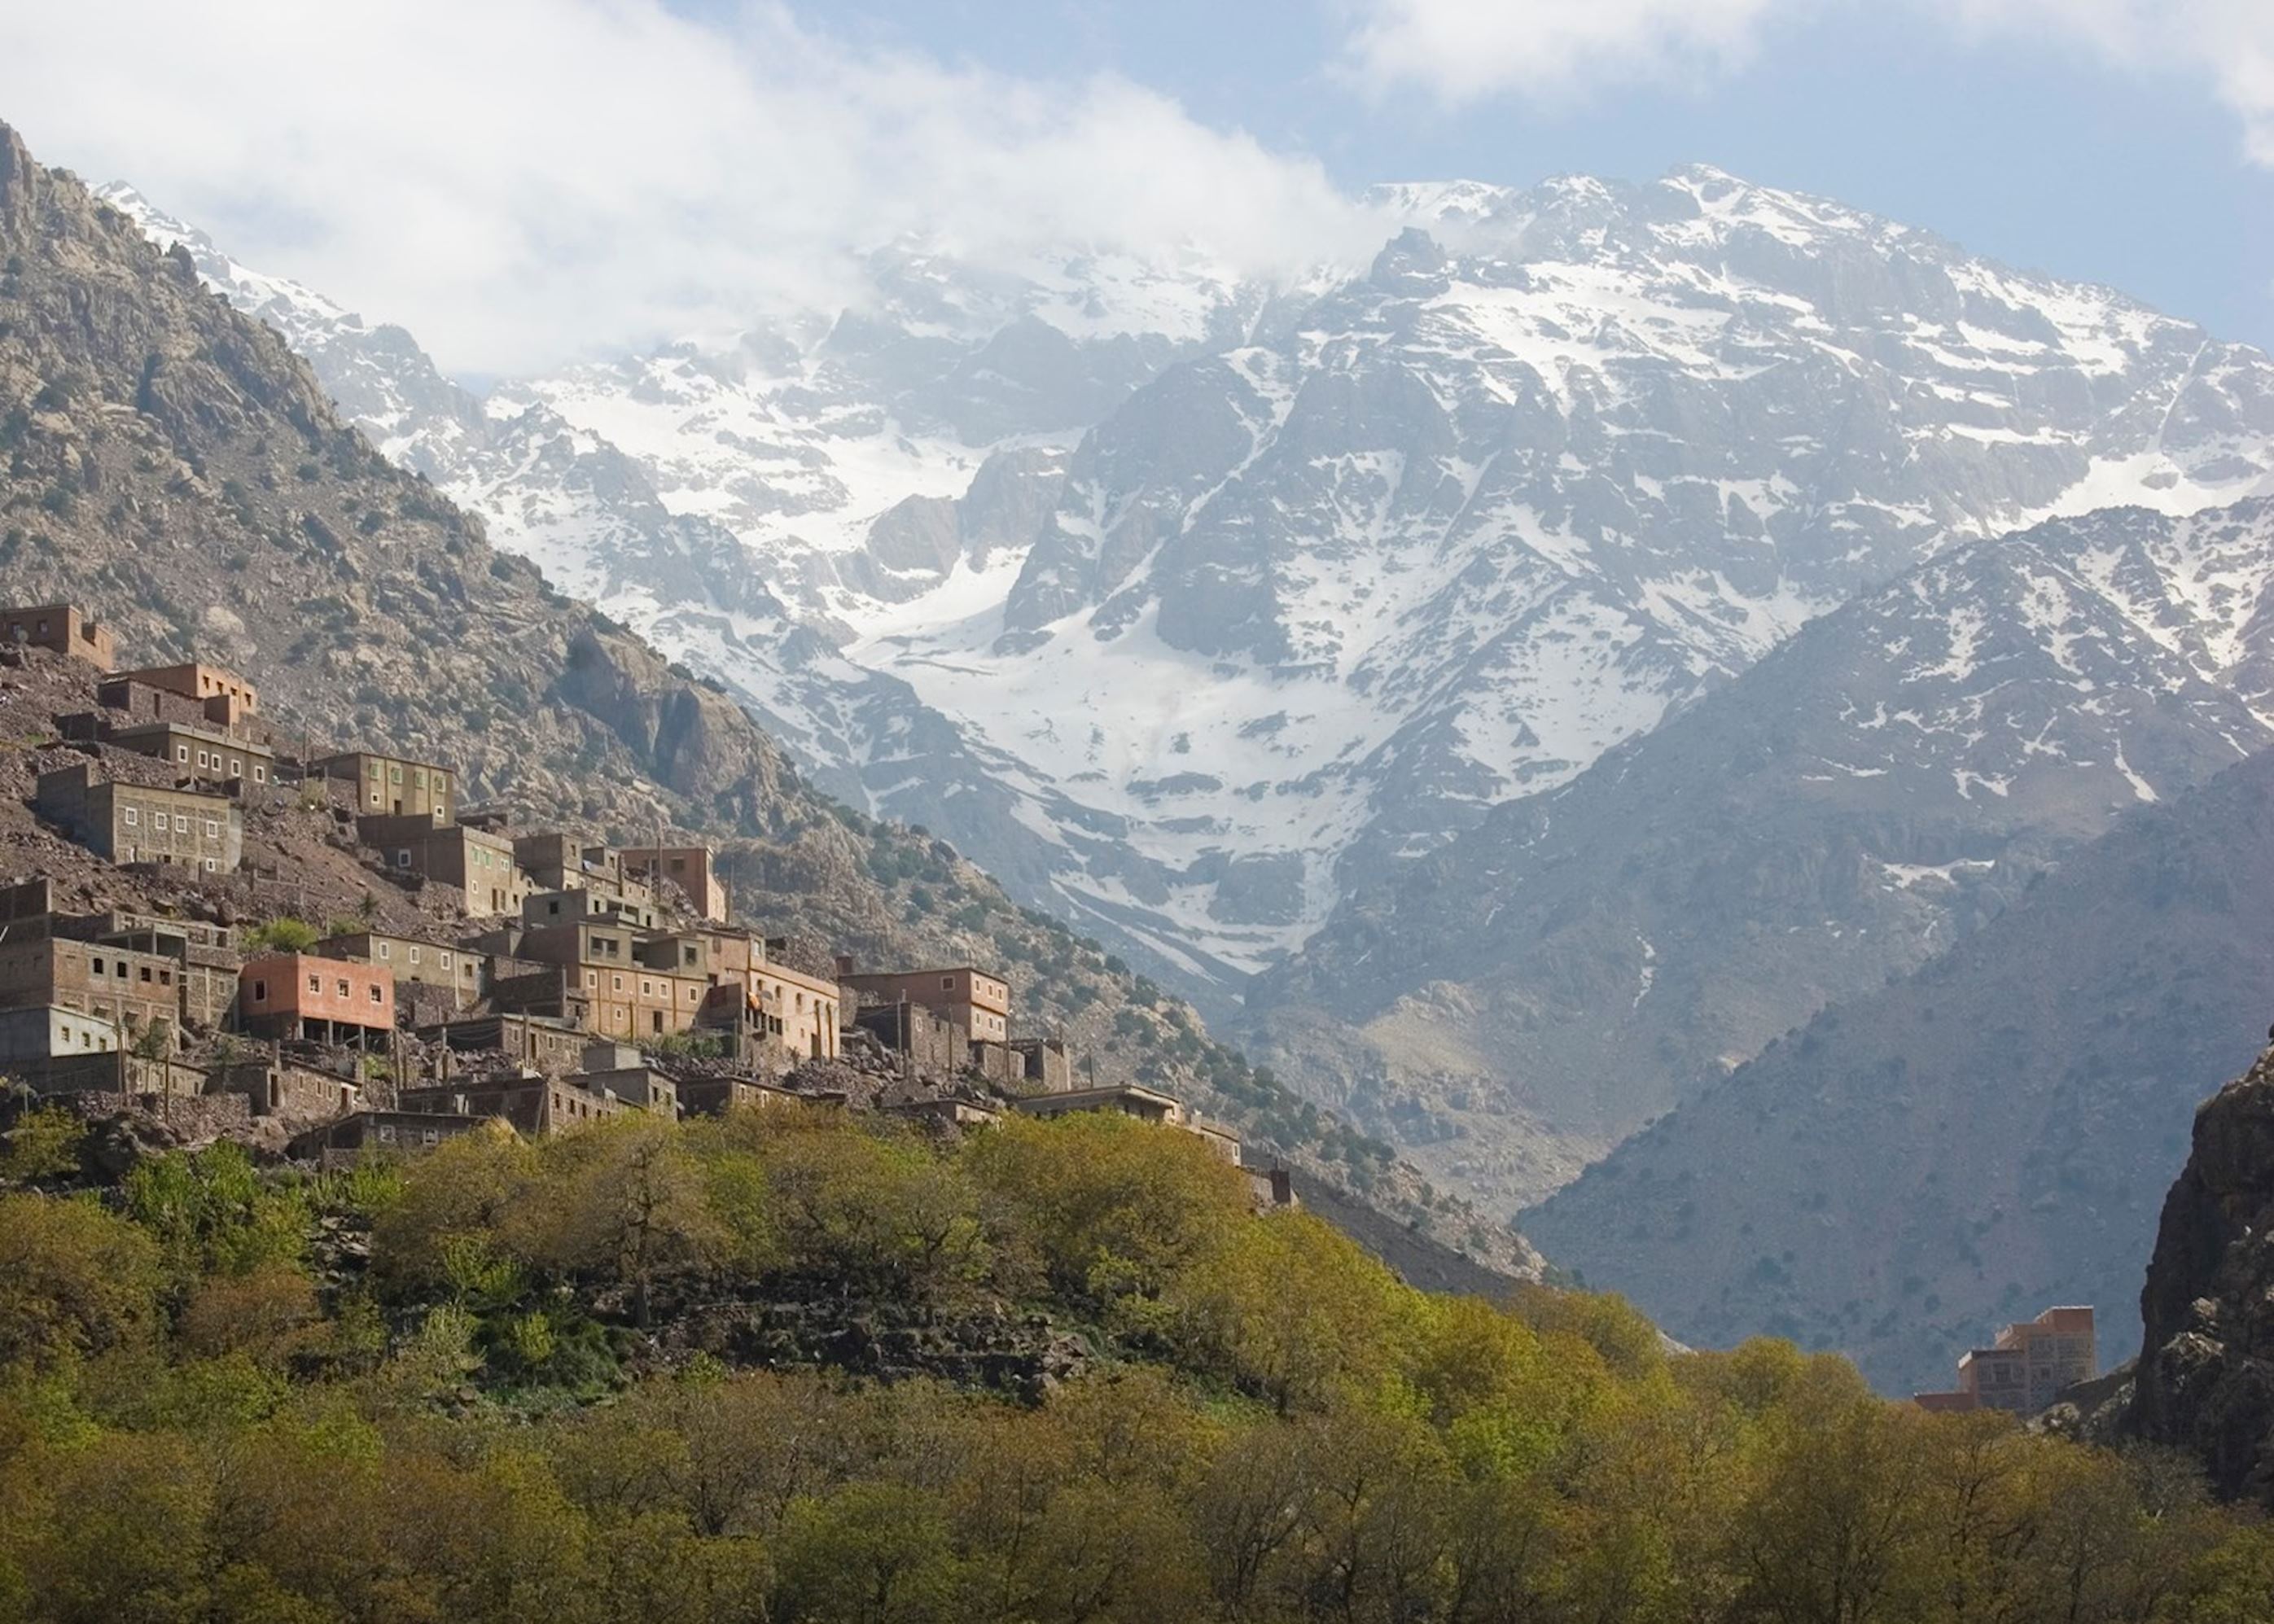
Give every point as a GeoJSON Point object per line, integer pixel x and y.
{"type": "Point", "coordinates": [1555, 51]}
{"type": "Point", "coordinates": [1550, 50]}
{"type": "Point", "coordinates": [2228, 42]}
{"type": "Point", "coordinates": [520, 180]}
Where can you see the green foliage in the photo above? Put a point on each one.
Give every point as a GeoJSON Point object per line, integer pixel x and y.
{"type": "Point", "coordinates": [285, 934]}
{"type": "Point", "coordinates": [1275, 1431]}
{"type": "Point", "coordinates": [43, 1144]}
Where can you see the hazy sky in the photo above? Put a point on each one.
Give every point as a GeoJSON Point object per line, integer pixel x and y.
{"type": "Point", "coordinates": [522, 181]}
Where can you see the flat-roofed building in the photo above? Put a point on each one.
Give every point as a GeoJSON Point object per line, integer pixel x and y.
{"type": "Point", "coordinates": [1136, 1100]}
{"type": "Point", "coordinates": [307, 995]}
{"type": "Point", "coordinates": [977, 1000]}
{"type": "Point", "coordinates": [577, 903]}
{"type": "Point", "coordinates": [140, 823]}
{"type": "Point", "coordinates": [2027, 1367]}
{"type": "Point", "coordinates": [50, 1031]}
{"type": "Point", "coordinates": [693, 868]}
{"type": "Point", "coordinates": [619, 997]}
{"type": "Point", "coordinates": [478, 862]}
{"type": "Point", "coordinates": [395, 785]}
{"type": "Point", "coordinates": [201, 756]}
{"type": "Point", "coordinates": [135, 991]}
{"type": "Point", "coordinates": [350, 1138]}
{"type": "Point", "coordinates": [808, 1009]}
{"type": "Point", "coordinates": [62, 628]}
{"type": "Point", "coordinates": [228, 696]}
{"type": "Point", "coordinates": [535, 1105]}
{"type": "Point", "coordinates": [430, 963]}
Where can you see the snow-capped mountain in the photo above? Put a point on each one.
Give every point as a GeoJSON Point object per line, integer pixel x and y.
{"type": "Point", "coordinates": [1194, 607]}
{"type": "Point", "coordinates": [1858, 801]}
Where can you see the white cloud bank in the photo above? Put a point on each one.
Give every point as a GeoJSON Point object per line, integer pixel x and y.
{"type": "Point", "coordinates": [518, 180]}
{"type": "Point", "coordinates": [1462, 50]}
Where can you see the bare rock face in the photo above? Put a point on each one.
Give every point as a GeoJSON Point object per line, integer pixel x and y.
{"type": "Point", "coordinates": [2205, 1382]}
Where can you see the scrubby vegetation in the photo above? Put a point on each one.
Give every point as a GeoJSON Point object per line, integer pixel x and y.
{"type": "Point", "coordinates": [212, 1409]}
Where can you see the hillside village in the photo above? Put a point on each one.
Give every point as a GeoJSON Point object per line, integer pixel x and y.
{"type": "Point", "coordinates": [320, 948]}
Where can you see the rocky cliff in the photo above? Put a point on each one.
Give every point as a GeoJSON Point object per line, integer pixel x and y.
{"type": "Point", "coordinates": [2205, 1380]}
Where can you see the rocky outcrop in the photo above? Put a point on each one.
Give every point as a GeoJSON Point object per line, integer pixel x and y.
{"type": "Point", "coordinates": [2205, 1382]}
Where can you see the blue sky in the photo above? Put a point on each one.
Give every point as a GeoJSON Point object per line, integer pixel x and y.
{"type": "Point", "coordinates": [2040, 154]}
{"type": "Point", "coordinates": [523, 181]}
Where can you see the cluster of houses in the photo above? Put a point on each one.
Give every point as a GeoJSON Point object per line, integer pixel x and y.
{"type": "Point", "coordinates": [583, 980]}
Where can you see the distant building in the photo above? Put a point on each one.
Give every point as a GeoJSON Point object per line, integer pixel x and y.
{"type": "Point", "coordinates": [201, 756]}
{"type": "Point", "coordinates": [350, 1137]}
{"type": "Point", "coordinates": [62, 628]}
{"type": "Point", "coordinates": [693, 868]}
{"type": "Point", "coordinates": [715, 1096]}
{"type": "Point", "coordinates": [478, 862]}
{"type": "Point", "coordinates": [47, 1032]}
{"type": "Point", "coordinates": [226, 696]}
{"type": "Point", "coordinates": [535, 1105]}
{"type": "Point", "coordinates": [132, 990]}
{"type": "Point", "coordinates": [395, 785]}
{"type": "Point", "coordinates": [976, 1001]}
{"type": "Point", "coordinates": [137, 823]}
{"type": "Point", "coordinates": [325, 1000]}
{"type": "Point", "coordinates": [430, 963]}
{"type": "Point", "coordinates": [1136, 1100]}
{"type": "Point", "coordinates": [805, 1008]}
{"type": "Point", "coordinates": [2026, 1368]}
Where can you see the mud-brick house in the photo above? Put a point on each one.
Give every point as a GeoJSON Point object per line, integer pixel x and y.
{"type": "Point", "coordinates": [477, 862]}
{"type": "Point", "coordinates": [395, 785]}
{"type": "Point", "coordinates": [221, 695]}
{"type": "Point", "coordinates": [535, 1105]}
{"type": "Point", "coordinates": [693, 868]}
{"type": "Point", "coordinates": [454, 970]}
{"type": "Point", "coordinates": [349, 1138]}
{"type": "Point", "coordinates": [49, 1032]}
{"type": "Point", "coordinates": [128, 823]}
{"type": "Point", "coordinates": [323, 1000]}
{"type": "Point", "coordinates": [62, 628]}
{"type": "Point", "coordinates": [200, 755]}
{"type": "Point", "coordinates": [133, 990]}
{"type": "Point", "coordinates": [975, 1000]}
{"type": "Point", "coordinates": [1136, 1100]}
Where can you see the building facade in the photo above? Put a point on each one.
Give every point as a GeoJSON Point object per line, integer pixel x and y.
{"type": "Point", "coordinates": [429, 964]}
{"type": "Point", "coordinates": [478, 862]}
{"type": "Point", "coordinates": [199, 754]}
{"type": "Point", "coordinates": [49, 1031]}
{"type": "Point", "coordinates": [225, 696]}
{"type": "Point", "coordinates": [395, 785]}
{"type": "Point", "coordinates": [62, 628]}
{"type": "Point", "coordinates": [693, 868]}
{"type": "Point", "coordinates": [2027, 1367]}
{"type": "Point", "coordinates": [139, 823]}
{"type": "Point", "coordinates": [325, 1000]}
{"type": "Point", "coordinates": [973, 999]}
{"type": "Point", "coordinates": [134, 991]}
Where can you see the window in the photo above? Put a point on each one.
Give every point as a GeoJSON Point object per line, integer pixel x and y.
{"type": "Point", "coordinates": [260, 773]}
{"type": "Point", "coordinates": [236, 768]}
{"type": "Point", "coordinates": [98, 967]}
{"type": "Point", "coordinates": [213, 864]}
{"type": "Point", "coordinates": [146, 971]}
{"type": "Point", "coordinates": [204, 761]}
{"type": "Point", "coordinates": [430, 1137]}
{"type": "Point", "coordinates": [341, 987]}
{"type": "Point", "coordinates": [394, 775]}
{"type": "Point", "coordinates": [442, 959]}
{"type": "Point", "coordinates": [386, 1133]}
{"type": "Point", "coordinates": [133, 817]}
{"type": "Point", "coordinates": [947, 984]}
{"type": "Point", "coordinates": [618, 981]}
{"type": "Point", "coordinates": [403, 857]}
{"type": "Point", "coordinates": [213, 829]}
{"type": "Point", "coordinates": [160, 821]}
{"type": "Point", "coordinates": [647, 988]}
{"type": "Point", "coordinates": [414, 954]}
{"type": "Point", "coordinates": [385, 950]}
{"type": "Point", "coordinates": [182, 753]}
{"type": "Point", "coordinates": [375, 997]}
{"type": "Point", "coordinates": [261, 992]}
{"type": "Point", "coordinates": [316, 983]}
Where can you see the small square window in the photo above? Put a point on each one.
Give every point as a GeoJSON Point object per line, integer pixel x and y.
{"type": "Point", "coordinates": [182, 753]}
{"type": "Point", "coordinates": [134, 817]}
{"type": "Point", "coordinates": [316, 983]}
{"type": "Point", "coordinates": [343, 987]}
{"type": "Point", "coordinates": [375, 997]}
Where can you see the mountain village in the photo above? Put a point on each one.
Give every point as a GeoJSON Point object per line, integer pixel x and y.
{"type": "Point", "coordinates": [485, 971]}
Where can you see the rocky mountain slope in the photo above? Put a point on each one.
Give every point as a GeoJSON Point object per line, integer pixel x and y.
{"type": "Point", "coordinates": [1205, 605]}
{"type": "Point", "coordinates": [169, 463]}
{"type": "Point", "coordinates": [1851, 805]}
{"type": "Point", "coordinates": [2205, 1378]}
{"type": "Point", "coordinates": [1993, 1133]}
